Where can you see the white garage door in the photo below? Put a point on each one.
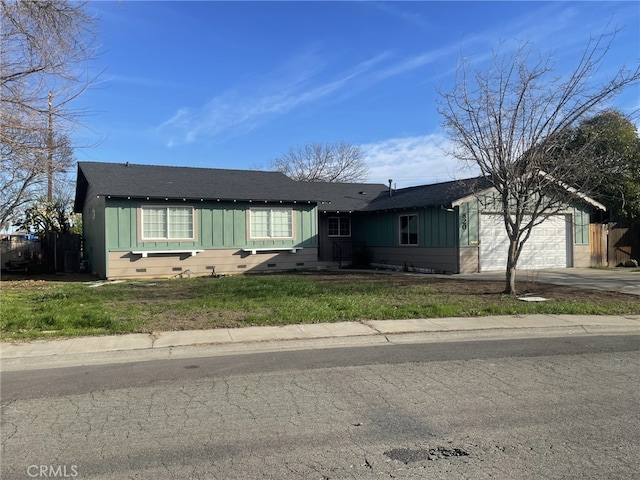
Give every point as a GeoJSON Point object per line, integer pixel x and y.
{"type": "Point", "coordinates": [549, 245]}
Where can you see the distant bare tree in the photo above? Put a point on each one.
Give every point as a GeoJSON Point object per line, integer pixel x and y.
{"type": "Point", "coordinates": [323, 162]}
{"type": "Point", "coordinates": [511, 119]}
{"type": "Point", "coordinates": [24, 173]}
{"type": "Point", "coordinates": [46, 46]}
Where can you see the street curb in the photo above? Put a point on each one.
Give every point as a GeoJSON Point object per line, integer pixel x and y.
{"type": "Point", "coordinates": [151, 352]}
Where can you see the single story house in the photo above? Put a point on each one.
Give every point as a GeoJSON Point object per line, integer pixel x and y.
{"type": "Point", "coordinates": [157, 221]}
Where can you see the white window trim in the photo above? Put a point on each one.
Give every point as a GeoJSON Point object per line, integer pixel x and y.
{"type": "Point", "coordinates": [417, 230]}
{"type": "Point", "coordinates": [340, 219]}
{"type": "Point", "coordinates": [167, 239]}
{"type": "Point", "coordinates": [271, 237]}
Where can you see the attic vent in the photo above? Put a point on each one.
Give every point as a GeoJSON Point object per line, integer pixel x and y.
{"type": "Point", "coordinates": [362, 193]}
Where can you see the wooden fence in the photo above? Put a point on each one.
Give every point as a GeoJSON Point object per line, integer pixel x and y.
{"type": "Point", "coordinates": [598, 244]}
{"type": "Point", "coordinates": [614, 243]}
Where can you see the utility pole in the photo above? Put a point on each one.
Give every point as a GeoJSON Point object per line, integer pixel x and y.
{"type": "Point", "coordinates": [50, 151]}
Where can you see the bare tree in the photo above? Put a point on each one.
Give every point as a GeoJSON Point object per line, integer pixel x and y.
{"type": "Point", "coordinates": [24, 173]}
{"type": "Point", "coordinates": [46, 46]}
{"type": "Point", "coordinates": [323, 162]}
{"type": "Point", "coordinates": [514, 121]}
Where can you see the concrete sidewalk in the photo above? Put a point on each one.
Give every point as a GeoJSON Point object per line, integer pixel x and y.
{"type": "Point", "coordinates": [189, 344]}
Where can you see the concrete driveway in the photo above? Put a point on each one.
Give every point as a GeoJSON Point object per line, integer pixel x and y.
{"type": "Point", "coordinates": [624, 280]}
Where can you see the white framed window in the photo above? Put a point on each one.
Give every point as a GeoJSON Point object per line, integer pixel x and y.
{"type": "Point", "coordinates": [339, 226]}
{"type": "Point", "coordinates": [271, 223]}
{"type": "Point", "coordinates": [408, 229]}
{"type": "Point", "coordinates": [167, 223]}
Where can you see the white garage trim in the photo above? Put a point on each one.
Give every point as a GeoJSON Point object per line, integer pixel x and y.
{"type": "Point", "coordinates": [549, 246]}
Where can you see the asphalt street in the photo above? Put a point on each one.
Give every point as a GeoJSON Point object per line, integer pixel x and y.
{"type": "Point", "coordinates": [562, 407]}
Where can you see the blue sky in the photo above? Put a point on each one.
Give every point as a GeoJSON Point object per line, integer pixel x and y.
{"type": "Point", "coordinates": [236, 84]}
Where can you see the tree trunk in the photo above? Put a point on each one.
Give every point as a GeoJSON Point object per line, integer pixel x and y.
{"type": "Point", "coordinates": [512, 260]}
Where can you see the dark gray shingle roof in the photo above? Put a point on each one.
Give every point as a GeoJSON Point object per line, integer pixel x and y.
{"type": "Point", "coordinates": [155, 182]}
{"type": "Point", "coordinates": [428, 195]}
{"type": "Point", "coordinates": [141, 181]}
{"type": "Point", "coordinates": [345, 197]}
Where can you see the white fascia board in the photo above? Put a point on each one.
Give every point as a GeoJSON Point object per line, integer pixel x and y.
{"type": "Point", "coordinates": [470, 198]}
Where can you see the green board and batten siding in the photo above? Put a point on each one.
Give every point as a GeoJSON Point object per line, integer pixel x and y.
{"type": "Point", "coordinates": [93, 228]}
{"type": "Point", "coordinates": [436, 228]}
{"type": "Point", "coordinates": [217, 225]}
{"type": "Point", "coordinates": [468, 224]}
{"type": "Point", "coordinates": [438, 239]}
{"type": "Point", "coordinates": [581, 219]}
{"type": "Point", "coordinates": [448, 239]}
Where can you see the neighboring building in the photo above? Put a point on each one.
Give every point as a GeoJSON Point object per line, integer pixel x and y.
{"type": "Point", "coordinates": [141, 220]}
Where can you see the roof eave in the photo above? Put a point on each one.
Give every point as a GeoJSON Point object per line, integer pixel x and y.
{"type": "Point", "coordinates": [470, 197]}
{"type": "Point", "coordinates": [81, 192]}
{"type": "Point", "coordinates": [575, 192]}
{"type": "Point", "coordinates": [211, 199]}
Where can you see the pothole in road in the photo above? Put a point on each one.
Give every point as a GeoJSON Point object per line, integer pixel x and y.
{"type": "Point", "coordinates": [407, 455]}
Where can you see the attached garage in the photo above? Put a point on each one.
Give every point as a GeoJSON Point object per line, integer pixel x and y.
{"type": "Point", "coordinates": [549, 245]}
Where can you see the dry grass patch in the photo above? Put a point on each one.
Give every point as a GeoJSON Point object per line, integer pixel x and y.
{"type": "Point", "coordinates": [67, 306]}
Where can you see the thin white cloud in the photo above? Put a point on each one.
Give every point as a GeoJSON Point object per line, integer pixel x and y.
{"type": "Point", "coordinates": [415, 160]}
{"type": "Point", "coordinates": [304, 79]}
{"type": "Point", "coordinates": [240, 110]}
{"type": "Point", "coordinates": [416, 62]}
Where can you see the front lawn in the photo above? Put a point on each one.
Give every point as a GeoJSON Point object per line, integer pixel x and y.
{"type": "Point", "coordinates": [33, 308]}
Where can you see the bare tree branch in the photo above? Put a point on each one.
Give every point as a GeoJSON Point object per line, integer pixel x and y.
{"type": "Point", "coordinates": [323, 162]}
{"type": "Point", "coordinates": [46, 46]}
{"type": "Point", "coordinates": [514, 122]}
